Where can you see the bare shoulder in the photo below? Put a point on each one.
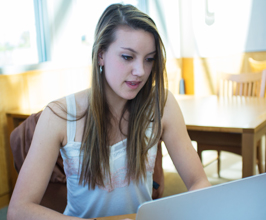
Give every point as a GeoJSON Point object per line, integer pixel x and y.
{"type": "Point", "coordinates": [170, 98]}
{"type": "Point", "coordinates": [54, 115]}
{"type": "Point", "coordinates": [172, 121]}
{"type": "Point", "coordinates": [52, 122]}
{"type": "Point", "coordinates": [171, 108]}
{"type": "Point", "coordinates": [59, 106]}
{"type": "Point", "coordinates": [82, 101]}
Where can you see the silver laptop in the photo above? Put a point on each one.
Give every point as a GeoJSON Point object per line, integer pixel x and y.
{"type": "Point", "coordinates": [243, 199]}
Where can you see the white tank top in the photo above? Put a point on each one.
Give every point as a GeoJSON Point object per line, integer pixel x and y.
{"type": "Point", "coordinates": [119, 198]}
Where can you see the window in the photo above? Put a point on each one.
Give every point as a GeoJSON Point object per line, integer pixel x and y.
{"type": "Point", "coordinates": [17, 33]}
{"type": "Point", "coordinates": [33, 31]}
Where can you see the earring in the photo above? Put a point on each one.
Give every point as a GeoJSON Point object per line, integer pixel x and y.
{"type": "Point", "coordinates": [101, 69]}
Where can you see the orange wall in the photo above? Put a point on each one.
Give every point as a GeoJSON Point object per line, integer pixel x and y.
{"type": "Point", "coordinates": [188, 74]}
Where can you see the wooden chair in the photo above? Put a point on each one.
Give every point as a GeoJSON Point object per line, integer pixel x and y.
{"type": "Point", "coordinates": [245, 84]}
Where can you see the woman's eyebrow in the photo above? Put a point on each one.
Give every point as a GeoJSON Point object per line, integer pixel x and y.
{"type": "Point", "coordinates": [133, 51]}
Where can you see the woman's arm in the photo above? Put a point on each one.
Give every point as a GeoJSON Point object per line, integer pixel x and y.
{"type": "Point", "coordinates": [36, 171]}
{"type": "Point", "coordinates": [179, 146]}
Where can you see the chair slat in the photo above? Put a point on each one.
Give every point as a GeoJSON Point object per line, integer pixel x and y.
{"type": "Point", "coordinates": [249, 88]}
{"type": "Point", "coordinates": [241, 89]}
{"type": "Point", "coordinates": [245, 84]}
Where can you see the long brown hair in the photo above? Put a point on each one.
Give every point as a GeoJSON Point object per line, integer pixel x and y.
{"type": "Point", "coordinates": [145, 109]}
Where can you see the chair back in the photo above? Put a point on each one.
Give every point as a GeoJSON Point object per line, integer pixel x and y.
{"type": "Point", "coordinates": [244, 84]}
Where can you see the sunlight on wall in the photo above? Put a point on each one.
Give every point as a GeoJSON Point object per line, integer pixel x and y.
{"type": "Point", "coordinates": [45, 86]}
{"type": "Point", "coordinates": [228, 34]}
{"type": "Point", "coordinates": [166, 16]}
{"type": "Point", "coordinates": [14, 95]}
{"type": "Point", "coordinates": [219, 46]}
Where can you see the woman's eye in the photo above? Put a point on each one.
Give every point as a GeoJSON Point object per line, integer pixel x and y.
{"type": "Point", "coordinates": [150, 59]}
{"type": "Point", "coordinates": [125, 57]}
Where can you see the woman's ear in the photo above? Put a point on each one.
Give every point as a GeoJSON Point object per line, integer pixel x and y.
{"type": "Point", "coordinates": [100, 58]}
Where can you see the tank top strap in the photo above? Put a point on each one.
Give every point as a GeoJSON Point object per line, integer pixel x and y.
{"type": "Point", "coordinates": [71, 115]}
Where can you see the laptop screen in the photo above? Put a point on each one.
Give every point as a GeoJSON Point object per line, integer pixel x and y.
{"type": "Point", "coordinates": [240, 199]}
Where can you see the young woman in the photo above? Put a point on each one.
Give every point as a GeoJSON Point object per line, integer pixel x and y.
{"type": "Point", "coordinates": [109, 140]}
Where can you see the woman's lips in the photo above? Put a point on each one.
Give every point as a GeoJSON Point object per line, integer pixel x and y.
{"type": "Point", "coordinates": [133, 84]}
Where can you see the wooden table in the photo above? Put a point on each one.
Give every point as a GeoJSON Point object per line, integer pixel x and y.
{"type": "Point", "coordinates": [227, 120]}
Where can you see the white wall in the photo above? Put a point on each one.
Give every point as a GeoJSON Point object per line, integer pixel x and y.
{"type": "Point", "coordinates": [238, 27]}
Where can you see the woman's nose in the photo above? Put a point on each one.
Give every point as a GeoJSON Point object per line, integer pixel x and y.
{"type": "Point", "coordinates": [138, 69]}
